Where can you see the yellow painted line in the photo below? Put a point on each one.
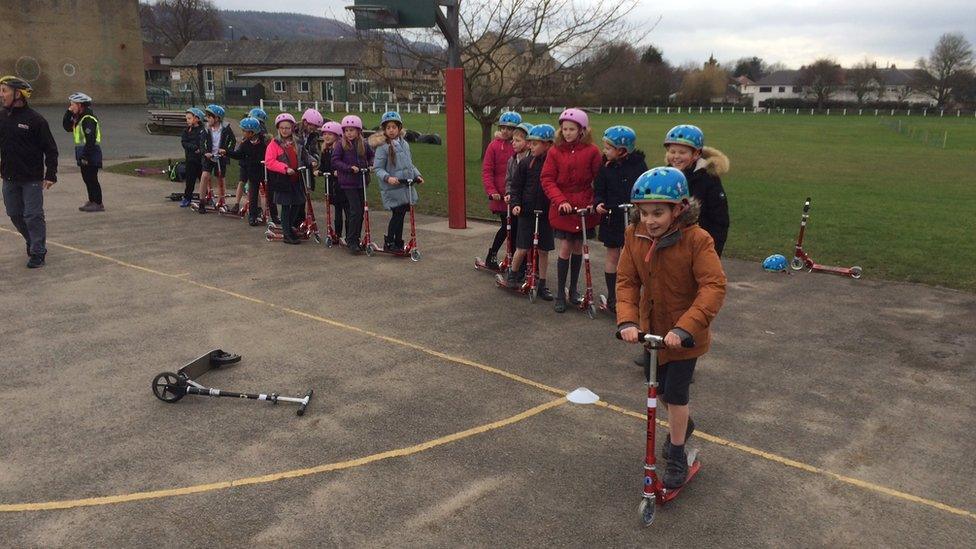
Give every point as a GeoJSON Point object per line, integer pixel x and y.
{"type": "Point", "coordinates": [877, 488]}
{"type": "Point", "coordinates": [296, 473]}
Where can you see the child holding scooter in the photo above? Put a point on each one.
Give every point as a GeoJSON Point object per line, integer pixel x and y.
{"type": "Point", "coordinates": [493, 170]}
{"type": "Point", "coordinates": [567, 178]}
{"type": "Point", "coordinates": [331, 133]}
{"type": "Point", "coordinates": [526, 197]}
{"type": "Point", "coordinates": [282, 161]}
{"type": "Point", "coordinates": [392, 162]}
{"type": "Point", "coordinates": [703, 167]}
{"type": "Point", "coordinates": [352, 159]}
{"type": "Point", "coordinates": [622, 165]}
{"type": "Point", "coordinates": [250, 152]}
{"type": "Point", "coordinates": [191, 140]}
{"type": "Point", "coordinates": [217, 138]}
{"type": "Point", "coordinates": [311, 142]}
{"type": "Point", "coordinates": [669, 261]}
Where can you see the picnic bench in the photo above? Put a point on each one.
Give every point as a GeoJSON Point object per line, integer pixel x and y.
{"type": "Point", "coordinates": [166, 122]}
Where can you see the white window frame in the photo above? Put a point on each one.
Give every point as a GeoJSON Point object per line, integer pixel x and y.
{"type": "Point", "coordinates": [352, 87]}
{"type": "Point", "coordinates": [306, 85]}
{"type": "Point", "coordinates": [208, 81]}
{"type": "Point", "coordinates": [329, 90]}
{"type": "Point", "coordinates": [185, 88]}
{"type": "Point", "coordinates": [279, 89]}
{"type": "Point", "coordinates": [228, 75]}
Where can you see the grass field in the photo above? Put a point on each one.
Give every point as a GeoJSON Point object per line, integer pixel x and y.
{"type": "Point", "coordinates": [901, 209]}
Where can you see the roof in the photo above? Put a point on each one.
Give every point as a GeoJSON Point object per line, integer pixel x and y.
{"type": "Point", "coordinates": [271, 52]}
{"type": "Point", "coordinates": [780, 78]}
{"type": "Point", "coordinates": [297, 72]}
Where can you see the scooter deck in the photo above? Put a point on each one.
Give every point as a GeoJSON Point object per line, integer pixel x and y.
{"type": "Point", "coordinates": [522, 288]}
{"type": "Point", "coordinates": [694, 465]}
{"type": "Point", "coordinates": [480, 265]}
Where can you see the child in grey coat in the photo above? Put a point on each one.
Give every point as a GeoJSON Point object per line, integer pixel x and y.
{"type": "Point", "coordinates": [393, 162]}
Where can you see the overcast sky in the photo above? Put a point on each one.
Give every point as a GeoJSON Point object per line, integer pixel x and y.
{"type": "Point", "coordinates": [793, 32]}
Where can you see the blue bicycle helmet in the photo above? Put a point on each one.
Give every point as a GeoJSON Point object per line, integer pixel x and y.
{"type": "Point", "coordinates": [251, 125]}
{"type": "Point", "coordinates": [197, 113]}
{"type": "Point", "coordinates": [215, 110]}
{"type": "Point", "coordinates": [621, 137]}
{"type": "Point", "coordinates": [775, 263]}
{"type": "Point", "coordinates": [664, 184]}
{"type": "Point", "coordinates": [511, 119]}
{"type": "Point", "coordinates": [542, 132]}
{"type": "Point", "coordinates": [391, 116]}
{"type": "Point", "coordinates": [258, 113]}
{"type": "Point", "coordinates": [685, 134]}
{"type": "Point", "coordinates": [525, 127]}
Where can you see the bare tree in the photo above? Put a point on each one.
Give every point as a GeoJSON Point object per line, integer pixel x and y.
{"type": "Point", "coordinates": [700, 86]}
{"type": "Point", "coordinates": [174, 23]}
{"type": "Point", "coordinates": [952, 54]}
{"type": "Point", "coordinates": [516, 52]}
{"type": "Point", "coordinates": [863, 79]}
{"type": "Point", "coordinates": [822, 77]}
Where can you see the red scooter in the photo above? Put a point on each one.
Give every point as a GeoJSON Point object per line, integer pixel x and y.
{"type": "Point", "coordinates": [308, 228]}
{"type": "Point", "coordinates": [410, 250]}
{"type": "Point", "coordinates": [801, 260]}
{"type": "Point", "coordinates": [331, 238]}
{"type": "Point", "coordinates": [625, 208]}
{"type": "Point", "coordinates": [262, 217]}
{"type": "Point", "coordinates": [479, 264]}
{"type": "Point", "coordinates": [531, 284]}
{"type": "Point", "coordinates": [586, 304]}
{"type": "Point", "coordinates": [655, 493]}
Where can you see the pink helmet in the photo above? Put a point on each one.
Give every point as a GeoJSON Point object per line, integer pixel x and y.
{"type": "Point", "coordinates": [575, 115]}
{"type": "Point", "coordinates": [313, 117]}
{"type": "Point", "coordinates": [352, 121]}
{"type": "Point", "coordinates": [332, 127]}
{"type": "Point", "coordinates": [284, 117]}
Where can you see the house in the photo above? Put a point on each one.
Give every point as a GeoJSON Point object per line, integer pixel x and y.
{"type": "Point", "coordinates": [244, 71]}
{"type": "Point", "coordinates": [157, 62]}
{"type": "Point", "coordinates": [895, 86]}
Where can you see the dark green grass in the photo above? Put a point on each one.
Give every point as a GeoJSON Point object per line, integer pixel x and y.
{"type": "Point", "coordinates": [884, 200]}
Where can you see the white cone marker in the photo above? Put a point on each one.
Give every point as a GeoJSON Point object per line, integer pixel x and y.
{"type": "Point", "coordinates": [582, 395]}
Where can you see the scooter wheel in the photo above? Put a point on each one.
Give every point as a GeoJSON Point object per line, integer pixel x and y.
{"type": "Point", "coordinates": [855, 272]}
{"type": "Point", "coordinates": [220, 358]}
{"type": "Point", "coordinates": [328, 242]}
{"type": "Point", "coordinates": [796, 264]}
{"type": "Point", "coordinates": [645, 510]}
{"type": "Point", "coordinates": [369, 250]}
{"type": "Point", "coordinates": [415, 254]}
{"type": "Point", "coordinates": [591, 311]}
{"type": "Point", "coordinates": [167, 387]}
{"type": "Point", "coordinates": [533, 293]}
{"type": "Point", "coordinates": [318, 239]}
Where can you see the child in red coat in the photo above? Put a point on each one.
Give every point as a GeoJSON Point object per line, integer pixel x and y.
{"type": "Point", "coordinates": [567, 178]}
{"type": "Point", "coordinates": [494, 168]}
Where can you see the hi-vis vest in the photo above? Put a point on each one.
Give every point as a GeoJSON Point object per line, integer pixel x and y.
{"type": "Point", "coordinates": [79, 138]}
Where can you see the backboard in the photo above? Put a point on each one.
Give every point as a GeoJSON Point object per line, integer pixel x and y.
{"type": "Point", "coordinates": [394, 14]}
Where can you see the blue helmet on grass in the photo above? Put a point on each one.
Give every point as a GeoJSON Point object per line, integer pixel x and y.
{"type": "Point", "coordinates": [511, 119]}
{"type": "Point", "coordinates": [215, 110]}
{"type": "Point", "coordinates": [664, 184]}
{"type": "Point", "coordinates": [542, 132]}
{"type": "Point", "coordinates": [685, 134]}
{"type": "Point", "coordinates": [621, 137]}
{"type": "Point", "coordinates": [196, 112]}
{"type": "Point", "coordinates": [775, 263]}
{"type": "Point", "coordinates": [251, 125]}
{"type": "Point", "coordinates": [391, 116]}
{"type": "Point", "coordinates": [258, 113]}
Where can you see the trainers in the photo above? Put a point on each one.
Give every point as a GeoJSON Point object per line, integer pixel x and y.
{"type": "Point", "coordinates": [95, 207]}
{"type": "Point", "coordinates": [35, 261]}
{"type": "Point", "coordinates": [509, 279]}
{"type": "Point", "coordinates": [492, 262]}
{"type": "Point", "coordinates": [84, 207]}
{"type": "Point", "coordinates": [545, 294]}
{"type": "Point", "coordinates": [202, 209]}
{"type": "Point", "coordinates": [236, 209]}
{"type": "Point", "coordinates": [560, 306]}
{"type": "Point", "coordinates": [355, 249]}
{"type": "Point", "coordinates": [185, 203]}
{"type": "Point", "coordinates": [574, 297]}
{"type": "Point", "coordinates": [667, 439]}
{"type": "Point", "coordinates": [676, 472]}
{"type": "Point", "coordinates": [253, 222]}
{"type": "Point", "coordinates": [292, 241]}
{"type": "Point", "coordinates": [389, 245]}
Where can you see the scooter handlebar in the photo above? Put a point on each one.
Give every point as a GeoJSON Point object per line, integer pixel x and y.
{"type": "Point", "coordinates": [578, 211]}
{"type": "Point", "coordinates": [657, 342]}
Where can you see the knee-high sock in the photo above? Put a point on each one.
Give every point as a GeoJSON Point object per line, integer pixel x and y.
{"type": "Point", "coordinates": [576, 261]}
{"type": "Point", "coordinates": [562, 268]}
{"type": "Point", "coordinates": [611, 279]}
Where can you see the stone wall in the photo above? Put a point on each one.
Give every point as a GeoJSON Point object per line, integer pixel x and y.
{"type": "Point", "coordinates": [62, 46]}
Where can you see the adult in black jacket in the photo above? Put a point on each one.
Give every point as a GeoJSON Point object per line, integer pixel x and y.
{"type": "Point", "coordinates": [80, 121]}
{"type": "Point", "coordinates": [28, 165]}
{"type": "Point", "coordinates": [191, 140]}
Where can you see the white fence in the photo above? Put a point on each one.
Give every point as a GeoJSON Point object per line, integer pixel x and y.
{"type": "Point", "coordinates": [438, 108]}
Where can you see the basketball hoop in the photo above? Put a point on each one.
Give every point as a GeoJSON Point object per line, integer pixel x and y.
{"type": "Point", "coordinates": [381, 15]}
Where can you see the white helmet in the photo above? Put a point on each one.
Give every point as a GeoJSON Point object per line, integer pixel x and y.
{"type": "Point", "coordinates": [79, 97]}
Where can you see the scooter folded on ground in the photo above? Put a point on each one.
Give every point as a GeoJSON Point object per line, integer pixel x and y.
{"type": "Point", "coordinates": [654, 492]}
{"type": "Point", "coordinates": [171, 387]}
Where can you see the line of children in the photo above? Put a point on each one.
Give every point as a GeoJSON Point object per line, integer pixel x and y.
{"type": "Point", "coordinates": [216, 139]}
{"type": "Point", "coordinates": [527, 196]}
{"type": "Point", "coordinates": [669, 281]}
{"type": "Point", "coordinates": [622, 165]}
{"type": "Point", "coordinates": [494, 168]}
{"type": "Point", "coordinates": [567, 178]}
{"type": "Point", "coordinates": [393, 162]}
{"type": "Point", "coordinates": [350, 159]}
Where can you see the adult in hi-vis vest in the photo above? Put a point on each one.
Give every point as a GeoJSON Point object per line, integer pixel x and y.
{"type": "Point", "coordinates": [81, 122]}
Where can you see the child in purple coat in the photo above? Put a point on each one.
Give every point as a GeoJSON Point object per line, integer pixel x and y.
{"type": "Point", "coordinates": [351, 159]}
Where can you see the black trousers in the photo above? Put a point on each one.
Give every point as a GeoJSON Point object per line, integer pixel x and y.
{"type": "Point", "coordinates": [193, 171]}
{"type": "Point", "coordinates": [354, 215]}
{"type": "Point", "coordinates": [395, 230]}
{"type": "Point", "coordinates": [89, 174]}
{"type": "Point", "coordinates": [500, 234]}
{"type": "Point", "coordinates": [338, 198]}
{"type": "Point", "coordinates": [291, 217]}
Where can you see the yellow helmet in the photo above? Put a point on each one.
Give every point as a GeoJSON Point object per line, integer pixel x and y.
{"type": "Point", "coordinates": [17, 83]}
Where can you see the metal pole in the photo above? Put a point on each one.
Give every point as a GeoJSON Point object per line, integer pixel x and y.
{"type": "Point", "coordinates": [454, 99]}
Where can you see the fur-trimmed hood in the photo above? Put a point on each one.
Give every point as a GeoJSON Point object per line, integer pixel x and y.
{"type": "Point", "coordinates": [377, 139]}
{"type": "Point", "coordinates": [714, 161]}
{"type": "Point", "coordinates": [690, 216]}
